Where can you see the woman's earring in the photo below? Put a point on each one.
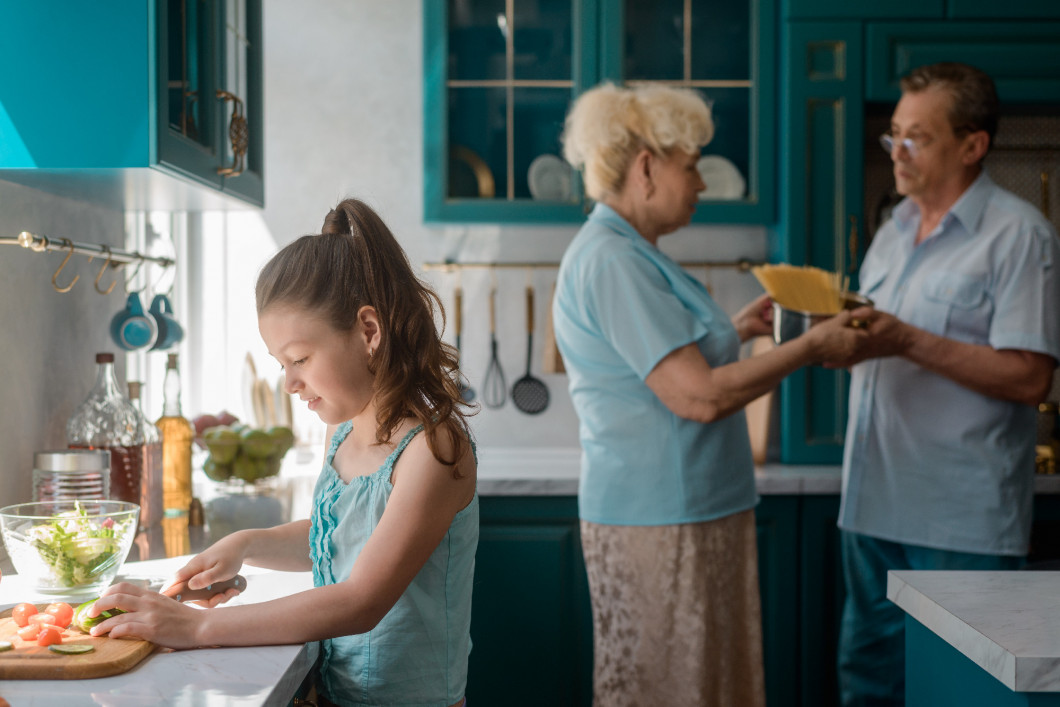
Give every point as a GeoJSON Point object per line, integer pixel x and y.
{"type": "Point", "coordinates": [371, 352]}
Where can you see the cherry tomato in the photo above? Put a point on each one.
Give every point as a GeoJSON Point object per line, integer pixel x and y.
{"type": "Point", "coordinates": [62, 612]}
{"type": "Point", "coordinates": [22, 613]}
{"type": "Point", "coordinates": [49, 635]}
{"type": "Point", "coordinates": [29, 632]}
{"type": "Point", "coordinates": [42, 619]}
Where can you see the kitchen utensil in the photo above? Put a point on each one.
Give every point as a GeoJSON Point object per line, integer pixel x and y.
{"type": "Point", "coordinates": [494, 387]}
{"type": "Point", "coordinates": [170, 332]}
{"type": "Point", "coordinates": [132, 329]}
{"type": "Point", "coordinates": [180, 591]}
{"type": "Point", "coordinates": [69, 547]}
{"type": "Point", "coordinates": [466, 391]}
{"type": "Point", "coordinates": [789, 323]}
{"type": "Point", "coordinates": [530, 394]}
{"type": "Point", "coordinates": [758, 410]}
{"type": "Point", "coordinates": [28, 661]}
{"type": "Point", "coordinates": [551, 361]}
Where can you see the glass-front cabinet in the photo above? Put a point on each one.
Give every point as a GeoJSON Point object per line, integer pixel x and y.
{"type": "Point", "coordinates": [500, 75]}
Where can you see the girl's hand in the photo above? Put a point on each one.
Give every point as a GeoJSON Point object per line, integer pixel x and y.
{"type": "Point", "coordinates": [219, 562]}
{"type": "Point", "coordinates": [150, 616]}
{"type": "Point", "coordinates": [755, 318]}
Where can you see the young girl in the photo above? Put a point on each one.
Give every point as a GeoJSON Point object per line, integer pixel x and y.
{"type": "Point", "coordinates": [394, 528]}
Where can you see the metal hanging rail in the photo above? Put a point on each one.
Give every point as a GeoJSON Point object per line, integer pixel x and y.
{"type": "Point", "coordinates": [743, 265]}
{"type": "Point", "coordinates": [40, 244]}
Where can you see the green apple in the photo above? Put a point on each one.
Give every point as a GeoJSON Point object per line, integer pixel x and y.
{"type": "Point", "coordinates": [223, 443]}
{"type": "Point", "coordinates": [282, 437]}
{"type": "Point", "coordinates": [257, 443]}
{"type": "Point", "coordinates": [272, 464]}
{"type": "Point", "coordinates": [248, 469]}
{"type": "Point", "coordinates": [216, 471]}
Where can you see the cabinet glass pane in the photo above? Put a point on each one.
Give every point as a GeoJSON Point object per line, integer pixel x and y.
{"type": "Point", "coordinates": [731, 110]}
{"type": "Point", "coordinates": [540, 172]}
{"type": "Point", "coordinates": [721, 40]}
{"type": "Point", "coordinates": [542, 40]}
{"type": "Point", "coordinates": [654, 40]}
{"type": "Point", "coordinates": [237, 48]}
{"type": "Point", "coordinates": [478, 148]}
{"type": "Point", "coordinates": [188, 81]}
{"type": "Point", "coordinates": [477, 36]}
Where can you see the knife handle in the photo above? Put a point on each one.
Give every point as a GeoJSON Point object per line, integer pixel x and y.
{"type": "Point", "coordinates": [180, 591]}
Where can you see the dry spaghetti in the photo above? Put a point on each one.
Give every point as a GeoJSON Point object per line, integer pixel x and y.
{"type": "Point", "coordinates": [803, 289]}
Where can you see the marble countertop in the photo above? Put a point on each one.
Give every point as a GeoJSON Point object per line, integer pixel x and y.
{"type": "Point", "coordinates": [1008, 623]}
{"type": "Point", "coordinates": [204, 677]}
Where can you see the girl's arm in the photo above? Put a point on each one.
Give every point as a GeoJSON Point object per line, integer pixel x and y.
{"type": "Point", "coordinates": [422, 505]}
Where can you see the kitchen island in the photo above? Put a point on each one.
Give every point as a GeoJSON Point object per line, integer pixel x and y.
{"type": "Point", "coordinates": [980, 638]}
{"type": "Point", "coordinates": [204, 677]}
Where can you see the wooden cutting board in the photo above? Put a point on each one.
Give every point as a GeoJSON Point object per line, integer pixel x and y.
{"type": "Point", "coordinates": [28, 661]}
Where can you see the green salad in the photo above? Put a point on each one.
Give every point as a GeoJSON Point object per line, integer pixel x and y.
{"type": "Point", "coordinates": [77, 548]}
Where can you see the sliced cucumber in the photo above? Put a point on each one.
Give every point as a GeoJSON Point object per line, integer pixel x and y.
{"type": "Point", "coordinates": [71, 648]}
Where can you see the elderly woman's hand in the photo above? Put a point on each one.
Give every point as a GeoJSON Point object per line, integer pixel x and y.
{"type": "Point", "coordinates": [755, 319]}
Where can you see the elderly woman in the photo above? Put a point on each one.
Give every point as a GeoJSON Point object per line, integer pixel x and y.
{"type": "Point", "coordinates": [667, 490]}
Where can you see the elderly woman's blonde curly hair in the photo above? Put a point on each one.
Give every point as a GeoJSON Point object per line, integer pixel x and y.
{"type": "Point", "coordinates": [607, 126]}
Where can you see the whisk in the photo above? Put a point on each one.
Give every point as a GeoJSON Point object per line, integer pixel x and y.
{"type": "Point", "coordinates": [494, 387]}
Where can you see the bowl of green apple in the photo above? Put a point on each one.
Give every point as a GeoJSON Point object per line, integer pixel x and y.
{"type": "Point", "coordinates": [69, 547]}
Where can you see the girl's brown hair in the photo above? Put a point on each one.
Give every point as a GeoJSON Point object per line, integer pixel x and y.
{"type": "Point", "coordinates": [356, 261]}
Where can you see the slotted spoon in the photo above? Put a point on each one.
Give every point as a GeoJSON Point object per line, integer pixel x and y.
{"type": "Point", "coordinates": [530, 394]}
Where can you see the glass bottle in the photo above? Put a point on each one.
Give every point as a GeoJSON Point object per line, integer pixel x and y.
{"type": "Point", "coordinates": [107, 420]}
{"type": "Point", "coordinates": [177, 436]}
{"type": "Point", "coordinates": [151, 470]}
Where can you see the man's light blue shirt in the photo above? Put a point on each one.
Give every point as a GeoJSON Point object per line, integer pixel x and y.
{"type": "Point", "coordinates": [927, 461]}
{"type": "Point", "coordinates": [621, 306]}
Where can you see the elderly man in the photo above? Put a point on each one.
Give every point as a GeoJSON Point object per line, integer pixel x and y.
{"type": "Point", "coordinates": [939, 459]}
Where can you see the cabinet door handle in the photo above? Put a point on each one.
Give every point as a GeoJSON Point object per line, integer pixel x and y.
{"type": "Point", "coordinates": [238, 135]}
{"type": "Point", "coordinates": [852, 244]}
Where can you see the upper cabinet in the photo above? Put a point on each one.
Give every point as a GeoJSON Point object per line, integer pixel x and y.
{"type": "Point", "coordinates": [116, 100]}
{"type": "Point", "coordinates": [500, 76]}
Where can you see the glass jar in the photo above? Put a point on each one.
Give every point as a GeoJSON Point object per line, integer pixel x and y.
{"type": "Point", "coordinates": [71, 474]}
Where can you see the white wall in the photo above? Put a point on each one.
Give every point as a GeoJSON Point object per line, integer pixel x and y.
{"type": "Point", "coordinates": [48, 340]}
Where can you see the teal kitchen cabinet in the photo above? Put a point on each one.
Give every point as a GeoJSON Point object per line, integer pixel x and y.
{"type": "Point", "coordinates": [112, 97]}
{"type": "Point", "coordinates": [777, 526]}
{"type": "Point", "coordinates": [820, 209]}
{"type": "Point", "coordinates": [499, 79]}
{"type": "Point", "coordinates": [844, 9]}
{"type": "Point", "coordinates": [531, 621]}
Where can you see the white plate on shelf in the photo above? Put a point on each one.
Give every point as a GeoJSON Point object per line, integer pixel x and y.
{"type": "Point", "coordinates": [549, 179]}
{"type": "Point", "coordinates": [723, 179]}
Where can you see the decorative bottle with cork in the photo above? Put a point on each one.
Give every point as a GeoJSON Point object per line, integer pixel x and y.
{"type": "Point", "coordinates": [107, 420]}
{"type": "Point", "coordinates": [177, 435]}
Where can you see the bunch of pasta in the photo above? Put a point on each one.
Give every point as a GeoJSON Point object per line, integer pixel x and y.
{"type": "Point", "coordinates": [803, 288]}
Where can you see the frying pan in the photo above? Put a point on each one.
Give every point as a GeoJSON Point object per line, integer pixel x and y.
{"type": "Point", "coordinates": [530, 394]}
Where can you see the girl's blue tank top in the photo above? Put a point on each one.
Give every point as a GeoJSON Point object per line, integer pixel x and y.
{"type": "Point", "coordinates": [417, 655]}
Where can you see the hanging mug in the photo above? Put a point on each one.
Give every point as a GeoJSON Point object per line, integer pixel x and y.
{"type": "Point", "coordinates": [170, 332]}
{"type": "Point", "coordinates": [130, 328]}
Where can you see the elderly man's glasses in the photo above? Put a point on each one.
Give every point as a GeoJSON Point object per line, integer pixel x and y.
{"type": "Point", "coordinates": [913, 147]}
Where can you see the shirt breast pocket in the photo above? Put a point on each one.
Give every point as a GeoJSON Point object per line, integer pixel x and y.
{"type": "Point", "coordinates": [957, 306]}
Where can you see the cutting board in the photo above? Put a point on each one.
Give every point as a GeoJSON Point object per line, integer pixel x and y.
{"type": "Point", "coordinates": [28, 661]}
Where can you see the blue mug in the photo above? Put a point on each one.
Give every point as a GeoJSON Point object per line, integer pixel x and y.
{"type": "Point", "coordinates": [170, 332]}
{"type": "Point", "coordinates": [131, 328]}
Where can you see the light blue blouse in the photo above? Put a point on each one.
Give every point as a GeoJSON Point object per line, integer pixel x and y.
{"type": "Point", "coordinates": [417, 655]}
{"type": "Point", "coordinates": [621, 306]}
{"type": "Point", "coordinates": [927, 461]}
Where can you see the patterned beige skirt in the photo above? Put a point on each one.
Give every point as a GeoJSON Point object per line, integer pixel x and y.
{"type": "Point", "coordinates": [676, 614]}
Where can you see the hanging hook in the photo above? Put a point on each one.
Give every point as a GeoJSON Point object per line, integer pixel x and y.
{"type": "Point", "coordinates": [128, 280]}
{"type": "Point", "coordinates": [55, 275]}
{"type": "Point", "coordinates": [103, 269]}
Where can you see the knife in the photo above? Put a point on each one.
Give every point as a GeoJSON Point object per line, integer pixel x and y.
{"type": "Point", "coordinates": [180, 591]}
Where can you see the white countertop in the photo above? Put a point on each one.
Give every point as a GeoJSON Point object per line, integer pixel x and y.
{"type": "Point", "coordinates": [1008, 623]}
{"type": "Point", "coordinates": [204, 677]}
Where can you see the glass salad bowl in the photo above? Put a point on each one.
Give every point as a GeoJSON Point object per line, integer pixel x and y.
{"type": "Point", "coordinates": [69, 547]}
